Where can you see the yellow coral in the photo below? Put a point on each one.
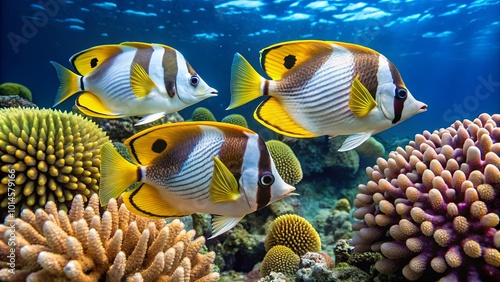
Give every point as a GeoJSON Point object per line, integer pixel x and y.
{"type": "Point", "coordinates": [343, 205]}
{"type": "Point", "coordinates": [286, 162]}
{"type": "Point", "coordinates": [280, 259]}
{"type": "Point", "coordinates": [47, 155]}
{"type": "Point", "coordinates": [11, 88]}
{"type": "Point", "coordinates": [294, 232]}
{"type": "Point", "coordinates": [235, 119]}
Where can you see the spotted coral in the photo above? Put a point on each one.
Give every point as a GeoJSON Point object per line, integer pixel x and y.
{"type": "Point", "coordinates": [433, 207]}
{"type": "Point", "coordinates": [47, 155]}
{"type": "Point", "coordinates": [15, 89]}
{"type": "Point", "coordinates": [286, 162]}
{"type": "Point", "coordinates": [235, 119]}
{"type": "Point", "coordinates": [280, 259]}
{"type": "Point", "coordinates": [83, 245]}
{"type": "Point", "coordinates": [202, 114]}
{"type": "Point", "coordinates": [294, 232]}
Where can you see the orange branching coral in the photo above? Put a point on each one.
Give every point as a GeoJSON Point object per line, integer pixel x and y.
{"type": "Point", "coordinates": [83, 245]}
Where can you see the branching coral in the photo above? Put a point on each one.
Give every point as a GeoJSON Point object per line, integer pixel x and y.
{"type": "Point", "coordinates": [286, 162]}
{"type": "Point", "coordinates": [47, 155]}
{"type": "Point", "coordinates": [82, 245]}
{"type": "Point", "coordinates": [433, 207]}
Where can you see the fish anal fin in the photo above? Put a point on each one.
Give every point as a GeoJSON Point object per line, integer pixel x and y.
{"type": "Point", "coordinates": [141, 82]}
{"type": "Point", "coordinates": [222, 224]}
{"type": "Point", "coordinates": [279, 59]}
{"type": "Point", "coordinates": [85, 62]}
{"type": "Point", "coordinates": [361, 101]}
{"type": "Point", "coordinates": [150, 118]}
{"type": "Point", "coordinates": [224, 187]}
{"type": "Point", "coordinates": [272, 115]}
{"type": "Point", "coordinates": [89, 104]}
{"type": "Point", "coordinates": [354, 141]}
{"type": "Point", "coordinates": [146, 200]}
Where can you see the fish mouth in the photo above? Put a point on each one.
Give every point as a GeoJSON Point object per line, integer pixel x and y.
{"type": "Point", "coordinates": [211, 92]}
{"type": "Point", "coordinates": [423, 108]}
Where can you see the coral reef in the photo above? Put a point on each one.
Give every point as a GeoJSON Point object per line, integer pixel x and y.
{"type": "Point", "coordinates": [371, 148]}
{"type": "Point", "coordinates": [15, 89]}
{"type": "Point", "coordinates": [433, 207]}
{"type": "Point", "coordinates": [47, 155]}
{"type": "Point", "coordinates": [202, 114]}
{"type": "Point", "coordinates": [15, 101]}
{"type": "Point", "coordinates": [82, 245]}
{"type": "Point", "coordinates": [280, 259]}
{"type": "Point", "coordinates": [286, 162]}
{"type": "Point", "coordinates": [235, 119]}
{"type": "Point", "coordinates": [294, 232]}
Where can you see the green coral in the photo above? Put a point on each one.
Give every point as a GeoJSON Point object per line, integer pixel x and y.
{"type": "Point", "coordinates": [15, 89]}
{"type": "Point", "coordinates": [286, 162]}
{"type": "Point", "coordinates": [280, 259]}
{"type": "Point", "coordinates": [48, 156]}
{"type": "Point", "coordinates": [235, 119]}
{"type": "Point", "coordinates": [202, 114]}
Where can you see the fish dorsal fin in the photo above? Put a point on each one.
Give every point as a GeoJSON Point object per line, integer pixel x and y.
{"type": "Point", "coordinates": [272, 115]}
{"type": "Point", "coordinates": [354, 141]}
{"type": "Point", "coordinates": [138, 45]}
{"type": "Point", "coordinates": [89, 60]}
{"type": "Point", "coordinates": [279, 59]}
{"type": "Point", "coordinates": [146, 200]}
{"type": "Point", "coordinates": [224, 187]}
{"type": "Point", "coordinates": [361, 101]}
{"type": "Point", "coordinates": [89, 104]}
{"type": "Point", "coordinates": [141, 82]}
{"type": "Point", "coordinates": [222, 224]}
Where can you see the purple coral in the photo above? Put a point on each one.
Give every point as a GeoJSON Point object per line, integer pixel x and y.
{"type": "Point", "coordinates": [433, 207]}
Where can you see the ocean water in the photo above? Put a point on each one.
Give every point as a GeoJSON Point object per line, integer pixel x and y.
{"type": "Point", "coordinates": [447, 52]}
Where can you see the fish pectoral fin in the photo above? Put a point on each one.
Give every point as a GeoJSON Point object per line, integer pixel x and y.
{"type": "Point", "coordinates": [272, 115]}
{"type": "Point", "coordinates": [245, 83]}
{"type": "Point", "coordinates": [361, 101]}
{"type": "Point", "coordinates": [150, 118]}
{"type": "Point", "coordinates": [141, 82]}
{"type": "Point", "coordinates": [221, 224]}
{"type": "Point", "coordinates": [117, 174]}
{"type": "Point", "coordinates": [89, 60]}
{"type": "Point", "coordinates": [279, 59]}
{"type": "Point", "coordinates": [224, 187]}
{"type": "Point", "coordinates": [146, 200]}
{"type": "Point", "coordinates": [354, 141]}
{"type": "Point", "coordinates": [89, 104]}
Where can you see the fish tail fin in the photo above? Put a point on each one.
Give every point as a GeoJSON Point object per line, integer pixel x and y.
{"type": "Point", "coordinates": [245, 82]}
{"type": "Point", "coordinates": [70, 83]}
{"type": "Point", "coordinates": [117, 174]}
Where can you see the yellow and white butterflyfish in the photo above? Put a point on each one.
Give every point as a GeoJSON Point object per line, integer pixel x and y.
{"type": "Point", "coordinates": [193, 167]}
{"type": "Point", "coordinates": [324, 88]}
{"type": "Point", "coordinates": [131, 79]}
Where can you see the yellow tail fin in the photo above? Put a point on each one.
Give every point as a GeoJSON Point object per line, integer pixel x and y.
{"type": "Point", "coordinates": [117, 174]}
{"type": "Point", "coordinates": [70, 83]}
{"type": "Point", "coordinates": [245, 82]}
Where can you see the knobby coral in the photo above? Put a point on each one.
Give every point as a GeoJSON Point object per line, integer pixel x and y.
{"type": "Point", "coordinates": [82, 245]}
{"type": "Point", "coordinates": [202, 114]}
{"type": "Point", "coordinates": [433, 207]}
{"type": "Point", "coordinates": [47, 155]}
{"type": "Point", "coordinates": [235, 119]}
{"type": "Point", "coordinates": [280, 259]}
{"type": "Point", "coordinates": [286, 162]}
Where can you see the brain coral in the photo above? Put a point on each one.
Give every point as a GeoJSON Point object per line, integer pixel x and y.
{"type": "Point", "coordinates": [286, 162]}
{"type": "Point", "coordinates": [235, 119]}
{"type": "Point", "coordinates": [294, 232]}
{"type": "Point", "coordinates": [11, 88]}
{"type": "Point", "coordinates": [433, 207]}
{"type": "Point", "coordinates": [202, 114]}
{"type": "Point", "coordinates": [280, 259]}
{"type": "Point", "coordinates": [47, 155]}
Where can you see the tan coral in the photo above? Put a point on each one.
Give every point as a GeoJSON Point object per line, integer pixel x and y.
{"type": "Point", "coordinates": [84, 245]}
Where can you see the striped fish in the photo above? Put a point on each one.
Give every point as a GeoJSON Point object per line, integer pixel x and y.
{"type": "Point", "coordinates": [193, 167]}
{"type": "Point", "coordinates": [324, 88]}
{"type": "Point", "coordinates": [131, 79]}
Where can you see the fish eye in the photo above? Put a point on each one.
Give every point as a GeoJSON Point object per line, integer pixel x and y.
{"type": "Point", "coordinates": [401, 93]}
{"type": "Point", "coordinates": [266, 180]}
{"type": "Point", "coordinates": [194, 80]}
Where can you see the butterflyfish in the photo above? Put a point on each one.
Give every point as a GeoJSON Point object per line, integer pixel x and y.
{"type": "Point", "coordinates": [193, 167]}
{"type": "Point", "coordinates": [131, 79]}
{"type": "Point", "coordinates": [324, 88]}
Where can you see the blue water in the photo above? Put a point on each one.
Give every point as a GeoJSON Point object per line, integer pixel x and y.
{"type": "Point", "coordinates": [447, 53]}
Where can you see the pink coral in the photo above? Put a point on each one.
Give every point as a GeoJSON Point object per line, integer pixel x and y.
{"type": "Point", "coordinates": [432, 209]}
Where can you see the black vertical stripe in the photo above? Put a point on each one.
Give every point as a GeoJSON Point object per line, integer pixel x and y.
{"type": "Point", "coordinates": [263, 193]}
{"type": "Point", "coordinates": [143, 57]}
{"type": "Point", "coordinates": [170, 69]}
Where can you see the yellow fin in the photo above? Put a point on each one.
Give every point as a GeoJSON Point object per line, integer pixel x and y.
{"type": "Point", "coordinates": [117, 174]}
{"type": "Point", "coordinates": [279, 59]}
{"type": "Point", "coordinates": [89, 104]}
{"type": "Point", "coordinates": [70, 83]}
{"type": "Point", "coordinates": [245, 83]}
{"type": "Point", "coordinates": [224, 187]}
{"type": "Point", "coordinates": [221, 224]}
{"type": "Point", "coordinates": [138, 45]}
{"type": "Point", "coordinates": [141, 81]}
{"type": "Point", "coordinates": [89, 60]}
{"type": "Point", "coordinates": [272, 115]}
{"type": "Point", "coordinates": [361, 101]}
{"type": "Point", "coordinates": [145, 200]}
